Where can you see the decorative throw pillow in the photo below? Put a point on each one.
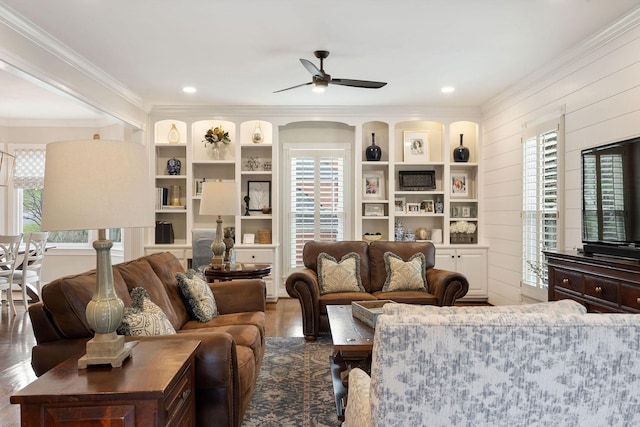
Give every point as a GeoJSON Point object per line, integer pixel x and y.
{"type": "Point", "coordinates": [144, 317]}
{"type": "Point", "coordinates": [405, 276]}
{"type": "Point", "coordinates": [197, 296]}
{"type": "Point", "coordinates": [342, 276]}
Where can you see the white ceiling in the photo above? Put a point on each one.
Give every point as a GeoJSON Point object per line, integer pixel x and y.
{"type": "Point", "coordinates": [239, 52]}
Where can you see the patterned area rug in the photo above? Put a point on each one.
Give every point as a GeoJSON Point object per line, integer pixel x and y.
{"type": "Point", "coordinates": [294, 386]}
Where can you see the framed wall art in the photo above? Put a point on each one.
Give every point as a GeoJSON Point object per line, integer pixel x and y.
{"type": "Point", "coordinates": [416, 146]}
{"type": "Point", "coordinates": [259, 193]}
{"type": "Point", "coordinates": [459, 184]}
{"type": "Point", "coordinates": [373, 185]}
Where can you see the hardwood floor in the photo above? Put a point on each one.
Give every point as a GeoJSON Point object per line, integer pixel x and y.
{"type": "Point", "coordinates": [16, 340]}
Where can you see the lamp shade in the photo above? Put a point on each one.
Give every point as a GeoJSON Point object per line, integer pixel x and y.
{"type": "Point", "coordinates": [219, 198]}
{"type": "Point", "coordinates": [96, 184]}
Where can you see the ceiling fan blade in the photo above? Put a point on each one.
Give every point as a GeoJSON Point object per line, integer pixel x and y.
{"type": "Point", "coordinates": [293, 87]}
{"type": "Point", "coordinates": [312, 68]}
{"type": "Point", "coordinates": [358, 83]}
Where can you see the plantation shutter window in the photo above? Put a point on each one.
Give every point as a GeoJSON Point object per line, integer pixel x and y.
{"type": "Point", "coordinates": [541, 190]}
{"type": "Point", "coordinates": [315, 199]}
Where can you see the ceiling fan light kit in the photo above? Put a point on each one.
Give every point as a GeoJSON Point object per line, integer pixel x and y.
{"type": "Point", "coordinates": [319, 86]}
{"type": "Point", "coordinates": [321, 79]}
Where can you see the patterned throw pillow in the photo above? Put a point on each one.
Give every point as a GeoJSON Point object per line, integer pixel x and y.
{"type": "Point", "coordinates": [343, 276]}
{"type": "Point", "coordinates": [405, 276]}
{"type": "Point", "coordinates": [144, 318]}
{"type": "Point", "coordinates": [197, 296]}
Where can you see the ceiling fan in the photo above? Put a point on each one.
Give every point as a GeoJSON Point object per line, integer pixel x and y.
{"type": "Point", "coordinates": [321, 80]}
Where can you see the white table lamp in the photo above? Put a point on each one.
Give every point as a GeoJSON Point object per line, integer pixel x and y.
{"type": "Point", "coordinates": [219, 198]}
{"type": "Point", "coordinates": [91, 185]}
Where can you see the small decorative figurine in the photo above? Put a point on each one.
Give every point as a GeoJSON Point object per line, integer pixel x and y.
{"type": "Point", "coordinates": [228, 242]}
{"type": "Point", "coordinates": [246, 201]}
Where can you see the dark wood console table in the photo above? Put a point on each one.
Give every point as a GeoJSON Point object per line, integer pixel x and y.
{"type": "Point", "coordinates": [603, 284]}
{"type": "Point", "coordinates": [239, 271]}
{"type": "Point", "coordinates": [154, 387]}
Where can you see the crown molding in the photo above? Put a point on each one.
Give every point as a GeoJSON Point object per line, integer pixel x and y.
{"type": "Point", "coordinates": [56, 123]}
{"type": "Point", "coordinates": [620, 27]}
{"type": "Point", "coordinates": [311, 112]}
{"type": "Point", "coordinates": [36, 35]}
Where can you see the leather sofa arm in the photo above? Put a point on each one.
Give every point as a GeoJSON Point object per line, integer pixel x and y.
{"type": "Point", "coordinates": [303, 285]}
{"type": "Point", "coordinates": [446, 285]}
{"type": "Point", "coordinates": [237, 296]}
{"type": "Point", "coordinates": [44, 329]}
{"type": "Point", "coordinates": [47, 355]}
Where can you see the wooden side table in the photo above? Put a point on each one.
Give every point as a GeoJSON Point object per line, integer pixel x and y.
{"type": "Point", "coordinates": [240, 271]}
{"type": "Point", "coordinates": [154, 387]}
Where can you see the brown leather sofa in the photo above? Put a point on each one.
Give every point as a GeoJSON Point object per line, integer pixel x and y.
{"type": "Point", "coordinates": [444, 287]}
{"type": "Point", "coordinates": [232, 345]}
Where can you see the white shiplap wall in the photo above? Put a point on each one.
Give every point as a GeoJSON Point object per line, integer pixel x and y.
{"type": "Point", "coordinates": [597, 87]}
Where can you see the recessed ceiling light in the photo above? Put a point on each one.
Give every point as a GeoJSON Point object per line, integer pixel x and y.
{"type": "Point", "coordinates": [189, 89]}
{"type": "Point", "coordinates": [448, 89]}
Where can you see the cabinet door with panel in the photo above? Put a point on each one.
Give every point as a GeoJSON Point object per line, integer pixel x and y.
{"type": "Point", "coordinates": [251, 255]}
{"type": "Point", "coordinates": [470, 262]}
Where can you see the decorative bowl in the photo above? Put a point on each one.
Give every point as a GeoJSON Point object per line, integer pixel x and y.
{"type": "Point", "coordinates": [372, 237]}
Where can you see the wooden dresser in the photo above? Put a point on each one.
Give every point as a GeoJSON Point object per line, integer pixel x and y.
{"type": "Point", "coordinates": [154, 387]}
{"type": "Point", "coordinates": [601, 283]}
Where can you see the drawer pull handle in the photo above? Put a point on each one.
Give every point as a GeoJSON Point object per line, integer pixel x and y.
{"type": "Point", "coordinates": [638, 300]}
{"type": "Point", "coordinates": [598, 289]}
{"type": "Point", "coordinates": [565, 281]}
{"type": "Point", "coordinates": [183, 399]}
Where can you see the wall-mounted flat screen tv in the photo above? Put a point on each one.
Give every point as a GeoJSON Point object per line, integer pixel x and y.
{"type": "Point", "coordinates": [611, 199]}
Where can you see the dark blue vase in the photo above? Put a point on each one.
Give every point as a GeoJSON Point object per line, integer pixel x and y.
{"type": "Point", "coordinates": [461, 153]}
{"type": "Point", "coordinates": [173, 166]}
{"type": "Point", "coordinates": [373, 152]}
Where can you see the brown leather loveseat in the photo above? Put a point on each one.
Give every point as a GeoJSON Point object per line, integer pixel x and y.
{"type": "Point", "coordinates": [232, 345]}
{"type": "Point", "coordinates": [443, 287]}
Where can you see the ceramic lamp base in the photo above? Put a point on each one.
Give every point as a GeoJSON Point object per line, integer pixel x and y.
{"type": "Point", "coordinates": [105, 349]}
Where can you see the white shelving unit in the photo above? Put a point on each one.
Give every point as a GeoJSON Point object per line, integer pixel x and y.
{"type": "Point", "coordinates": [233, 164]}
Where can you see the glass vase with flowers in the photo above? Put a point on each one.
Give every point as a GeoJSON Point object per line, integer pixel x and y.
{"type": "Point", "coordinates": [214, 140]}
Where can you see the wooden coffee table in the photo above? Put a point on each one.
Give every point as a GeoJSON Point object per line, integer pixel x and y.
{"type": "Point", "coordinates": [352, 345]}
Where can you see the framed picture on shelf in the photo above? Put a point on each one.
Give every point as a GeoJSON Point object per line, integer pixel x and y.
{"type": "Point", "coordinates": [259, 193]}
{"type": "Point", "coordinates": [416, 146]}
{"type": "Point", "coordinates": [413, 208]}
{"type": "Point", "coordinates": [466, 212]}
{"type": "Point", "coordinates": [374, 209]}
{"type": "Point", "coordinates": [459, 184]}
{"type": "Point", "coordinates": [373, 185]}
{"type": "Point", "coordinates": [427, 205]}
{"type": "Point", "coordinates": [399, 204]}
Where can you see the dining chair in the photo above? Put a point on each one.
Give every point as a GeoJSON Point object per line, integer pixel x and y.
{"type": "Point", "coordinates": [8, 256]}
{"type": "Point", "coordinates": [30, 271]}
